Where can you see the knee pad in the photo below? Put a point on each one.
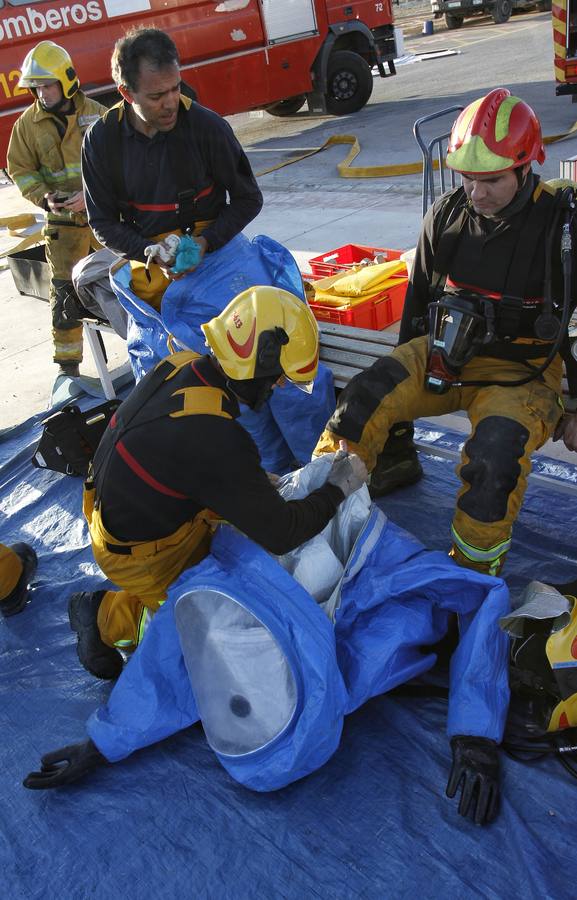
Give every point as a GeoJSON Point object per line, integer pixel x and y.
{"type": "Point", "coordinates": [362, 397]}
{"type": "Point", "coordinates": [67, 310]}
{"type": "Point", "coordinates": [493, 470]}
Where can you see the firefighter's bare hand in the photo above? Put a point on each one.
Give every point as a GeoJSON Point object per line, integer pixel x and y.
{"type": "Point", "coordinates": [75, 202]}
{"type": "Point", "coordinates": [567, 431]}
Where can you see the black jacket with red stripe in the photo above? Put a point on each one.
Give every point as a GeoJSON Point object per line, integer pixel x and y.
{"type": "Point", "coordinates": [490, 256]}
{"type": "Point", "coordinates": [174, 448]}
{"type": "Point", "coordinates": [217, 164]}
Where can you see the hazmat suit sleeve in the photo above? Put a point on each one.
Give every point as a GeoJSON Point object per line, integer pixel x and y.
{"type": "Point", "coordinates": [24, 165]}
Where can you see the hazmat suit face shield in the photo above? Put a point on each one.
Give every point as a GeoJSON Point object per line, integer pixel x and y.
{"type": "Point", "coordinates": [243, 684]}
{"type": "Point", "coordinates": [456, 329]}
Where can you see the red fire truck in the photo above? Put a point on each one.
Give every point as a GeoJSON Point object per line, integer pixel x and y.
{"type": "Point", "coordinates": [564, 18]}
{"type": "Point", "coordinates": [236, 55]}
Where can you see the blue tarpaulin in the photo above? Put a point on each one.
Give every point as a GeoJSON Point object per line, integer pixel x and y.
{"type": "Point", "coordinates": [169, 821]}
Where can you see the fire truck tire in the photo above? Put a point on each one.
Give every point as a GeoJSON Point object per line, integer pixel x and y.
{"type": "Point", "coordinates": [349, 83]}
{"type": "Point", "coordinates": [502, 11]}
{"type": "Point", "coordinates": [453, 21]}
{"type": "Point", "coordinates": [544, 5]}
{"type": "Point", "coordinates": [287, 107]}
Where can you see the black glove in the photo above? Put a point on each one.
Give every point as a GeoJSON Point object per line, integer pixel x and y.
{"type": "Point", "coordinates": [65, 765]}
{"type": "Point", "coordinates": [475, 770]}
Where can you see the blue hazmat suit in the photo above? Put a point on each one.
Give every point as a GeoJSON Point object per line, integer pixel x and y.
{"type": "Point", "coordinates": [287, 428]}
{"type": "Point", "coordinates": [271, 653]}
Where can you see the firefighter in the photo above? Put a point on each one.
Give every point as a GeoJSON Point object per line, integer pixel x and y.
{"type": "Point", "coordinates": [161, 164]}
{"type": "Point", "coordinates": [17, 567]}
{"type": "Point", "coordinates": [44, 163]}
{"type": "Point", "coordinates": [173, 452]}
{"type": "Point", "coordinates": [484, 258]}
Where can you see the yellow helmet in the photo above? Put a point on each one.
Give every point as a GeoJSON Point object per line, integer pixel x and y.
{"type": "Point", "coordinates": [266, 332]}
{"type": "Point", "coordinates": [48, 61]}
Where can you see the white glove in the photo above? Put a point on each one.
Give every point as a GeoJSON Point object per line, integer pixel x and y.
{"type": "Point", "coordinates": [163, 253]}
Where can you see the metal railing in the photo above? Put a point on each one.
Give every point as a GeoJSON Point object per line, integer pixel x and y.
{"type": "Point", "coordinates": [434, 152]}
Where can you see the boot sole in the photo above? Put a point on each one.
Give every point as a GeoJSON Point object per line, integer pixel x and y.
{"type": "Point", "coordinates": [395, 485]}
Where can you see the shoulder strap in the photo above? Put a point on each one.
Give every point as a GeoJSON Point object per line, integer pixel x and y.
{"type": "Point", "coordinates": [447, 234]}
{"type": "Point", "coordinates": [180, 151]}
{"type": "Point", "coordinates": [532, 238]}
{"type": "Point", "coordinates": [112, 120]}
{"type": "Point", "coordinates": [126, 412]}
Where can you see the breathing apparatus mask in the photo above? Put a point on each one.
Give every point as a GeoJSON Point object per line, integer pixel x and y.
{"type": "Point", "coordinates": [458, 325]}
{"type": "Point", "coordinates": [461, 323]}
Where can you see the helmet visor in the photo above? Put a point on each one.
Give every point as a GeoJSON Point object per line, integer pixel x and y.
{"type": "Point", "coordinates": [36, 81]}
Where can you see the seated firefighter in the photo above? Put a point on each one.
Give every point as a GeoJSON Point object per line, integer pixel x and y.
{"type": "Point", "coordinates": [493, 274]}
{"type": "Point", "coordinates": [159, 164]}
{"type": "Point", "coordinates": [174, 455]}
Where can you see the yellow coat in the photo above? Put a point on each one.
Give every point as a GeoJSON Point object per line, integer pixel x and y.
{"type": "Point", "coordinates": [39, 159]}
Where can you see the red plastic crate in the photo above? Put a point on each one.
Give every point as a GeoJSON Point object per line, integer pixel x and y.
{"type": "Point", "coordinates": [377, 313]}
{"type": "Point", "coordinates": [343, 258]}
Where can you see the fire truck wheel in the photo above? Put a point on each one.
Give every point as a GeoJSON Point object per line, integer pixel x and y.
{"type": "Point", "coordinates": [287, 107]}
{"type": "Point", "coordinates": [544, 6]}
{"type": "Point", "coordinates": [502, 11]}
{"type": "Point", "coordinates": [453, 21]}
{"type": "Point", "coordinates": [349, 83]}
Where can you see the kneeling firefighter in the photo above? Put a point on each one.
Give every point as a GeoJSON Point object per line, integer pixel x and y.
{"type": "Point", "coordinates": [492, 277]}
{"type": "Point", "coordinates": [173, 457]}
{"type": "Point", "coordinates": [44, 163]}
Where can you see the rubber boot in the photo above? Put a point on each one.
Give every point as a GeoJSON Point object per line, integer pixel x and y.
{"type": "Point", "coordinates": [16, 599]}
{"type": "Point", "coordinates": [97, 657]}
{"type": "Point", "coordinates": [70, 369]}
{"type": "Point", "coordinates": [398, 463]}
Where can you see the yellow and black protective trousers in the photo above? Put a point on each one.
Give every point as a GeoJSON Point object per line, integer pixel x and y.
{"type": "Point", "coordinates": [10, 571]}
{"type": "Point", "coordinates": [144, 570]}
{"type": "Point", "coordinates": [508, 424]}
{"type": "Point", "coordinates": [66, 242]}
